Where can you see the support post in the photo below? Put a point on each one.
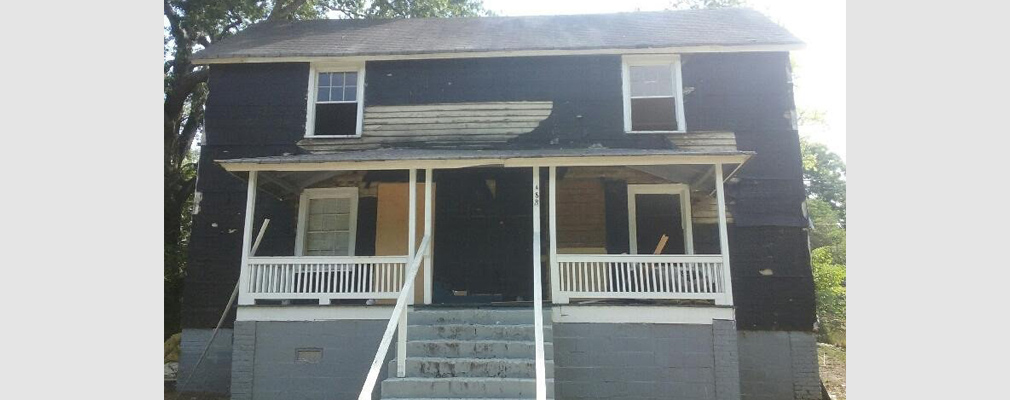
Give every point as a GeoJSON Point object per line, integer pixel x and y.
{"type": "Point", "coordinates": [401, 336]}
{"type": "Point", "coordinates": [723, 238]}
{"type": "Point", "coordinates": [538, 308]}
{"type": "Point", "coordinates": [250, 218]}
{"type": "Point", "coordinates": [552, 220]}
{"type": "Point", "coordinates": [427, 232]}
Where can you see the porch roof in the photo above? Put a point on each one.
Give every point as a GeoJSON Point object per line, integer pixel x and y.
{"type": "Point", "coordinates": [403, 158]}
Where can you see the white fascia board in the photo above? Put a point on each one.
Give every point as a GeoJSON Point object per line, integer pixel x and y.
{"type": "Point", "coordinates": [524, 53]}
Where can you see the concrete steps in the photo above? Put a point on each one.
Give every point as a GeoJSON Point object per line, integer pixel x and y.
{"type": "Point", "coordinates": [462, 387]}
{"type": "Point", "coordinates": [460, 353]}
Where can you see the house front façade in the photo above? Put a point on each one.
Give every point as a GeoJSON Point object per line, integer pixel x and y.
{"type": "Point", "coordinates": [572, 207]}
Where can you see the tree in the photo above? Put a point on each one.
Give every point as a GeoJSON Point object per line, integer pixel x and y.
{"type": "Point", "coordinates": [705, 4]}
{"type": "Point", "coordinates": [824, 175]}
{"type": "Point", "coordinates": [195, 24]}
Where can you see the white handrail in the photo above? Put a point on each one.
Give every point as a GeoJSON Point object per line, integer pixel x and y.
{"type": "Point", "coordinates": [398, 311]}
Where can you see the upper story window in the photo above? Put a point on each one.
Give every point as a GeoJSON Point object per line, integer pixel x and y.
{"type": "Point", "coordinates": [653, 94]}
{"type": "Point", "coordinates": [335, 101]}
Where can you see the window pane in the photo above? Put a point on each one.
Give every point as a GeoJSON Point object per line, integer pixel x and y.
{"type": "Point", "coordinates": [341, 244]}
{"type": "Point", "coordinates": [339, 119]}
{"type": "Point", "coordinates": [656, 114]}
{"type": "Point", "coordinates": [324, 79]}
{"type": "Point", "coordinates": [323, 94]}
{"type": "Point", "coordinates": [651, 80]}
{"type": "Point", "coordinates": [323, 206]}
{"type": "Point", "coordinates": [350, 93]}
{"type": "Point", "coordinates": [320, 241]}
{"type": "Point", "coordinates": [323, 222]}
{"type": "Point", "coordinates": [350, 78]}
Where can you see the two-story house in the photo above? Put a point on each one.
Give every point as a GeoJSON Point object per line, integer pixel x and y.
{"type": "Point", "coordinates": [572, 207]}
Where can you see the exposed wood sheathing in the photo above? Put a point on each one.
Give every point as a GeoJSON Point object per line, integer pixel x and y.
{"type": "Point", "coordinates": [453, 125]}
{"type": "Point", "coordinates": [391, 224]}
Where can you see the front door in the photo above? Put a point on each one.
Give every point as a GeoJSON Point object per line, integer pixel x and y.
{"type": "Point", "coordinates": [483, 236]}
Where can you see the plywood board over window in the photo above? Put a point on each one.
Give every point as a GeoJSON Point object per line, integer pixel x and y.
{"type": "Point", "coordinates": [581, 217]}
{"type": "Point", "coordinates": [391, 224]}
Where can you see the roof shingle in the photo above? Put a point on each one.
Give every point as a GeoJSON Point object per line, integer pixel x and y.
{"type": "Point", "coordinates": [633, 30]}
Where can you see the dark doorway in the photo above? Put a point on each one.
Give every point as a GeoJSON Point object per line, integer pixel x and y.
{"type": "Point", "coordinates": [483, 236]}
{"type": "Point", "coordinates": [657, 215]}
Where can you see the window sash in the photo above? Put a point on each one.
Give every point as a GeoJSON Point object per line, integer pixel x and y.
{"type": "Point", "coordinates": [677, 93]}
{"type": "Point", "coordinates": [337, 237]}
{"type": "Point", "coordinates": [357, 85]}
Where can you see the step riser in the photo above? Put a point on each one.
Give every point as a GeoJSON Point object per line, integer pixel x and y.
{"type": "Point", "coordinates": [476, 332]}
{"type": "Point", "coordinates": [470, 349]}
{"type": "Point", "coordinates": [472, 369]}
{"type": "Point", "coordinates": [479, 317]}
{"type": "Point", "coordinates": [443, 388]}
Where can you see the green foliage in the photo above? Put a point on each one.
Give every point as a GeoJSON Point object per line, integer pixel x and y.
{"type": "Point", "coordinates": [705, 4]}
{"type": "Point", "coordinates": [824, 174]}
{"type": "Point", "coordinates": [829, 284]}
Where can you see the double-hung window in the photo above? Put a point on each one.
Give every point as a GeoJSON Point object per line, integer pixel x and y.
{"type": "Point", "coordinates": [335, 101]}
{"type": "Point", "coordinates": [653, 94]}
{"type": "Point", "coordinates": [327, 221]}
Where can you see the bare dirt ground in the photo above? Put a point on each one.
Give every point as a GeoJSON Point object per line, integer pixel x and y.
{"type": "Point", "coordinates": [832, 367]}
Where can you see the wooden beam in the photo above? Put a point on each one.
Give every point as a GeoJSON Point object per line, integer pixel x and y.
{"type": "Point", "coordinates": [552, 219]}
{"type": "Point", "coordinates": [538, 297]}
{"type": "Point", "coordinates": [427, 233]}
{"type": "Point", "coordinates": [723, 237]}
{"type": "Point", "coordinates": [250, 218]}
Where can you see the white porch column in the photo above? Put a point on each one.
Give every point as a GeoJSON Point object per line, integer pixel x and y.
{"type": "Point", "coordinates": [723, 237]}
{"type": "Point", "coordinates": [250, 218]}
{"type": "Point", "coordinates": [401, 336]}
{"type": "Point", "coordinates": [538, 296]}
{"type": "Point", "coordinates": [411, 222]}
{"type": "Point", "coordinates": [427, 232]}
{"type": "Point", "coordinates": [552, 221]}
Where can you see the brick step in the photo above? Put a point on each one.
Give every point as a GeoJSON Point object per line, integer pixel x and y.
{"type": "Point", "coordinates": [440, 367]}
{"type": "Point", "coordinates": [433, 388]}
{"type": "Point", "coordinates": [476, 348]}
{"type": "Point", "coordinates": [522, 316]}
{"type": "Point", "coordinates": [477, 332]}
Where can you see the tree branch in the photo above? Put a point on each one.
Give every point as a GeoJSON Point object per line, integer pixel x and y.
{"type": "Point", "coordinates": [283, 11]}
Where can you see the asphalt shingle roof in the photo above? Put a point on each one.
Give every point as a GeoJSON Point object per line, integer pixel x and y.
{"type": "Point", "coordinates": [633, 30]}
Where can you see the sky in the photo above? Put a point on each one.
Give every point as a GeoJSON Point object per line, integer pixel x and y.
{"type": "Point", "coordinates": [820, 67]}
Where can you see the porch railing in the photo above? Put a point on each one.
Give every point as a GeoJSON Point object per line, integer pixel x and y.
{"type": "Point", "coordinates": [642, 277]}
{"type": "Point", "coordinates": [325, 278]}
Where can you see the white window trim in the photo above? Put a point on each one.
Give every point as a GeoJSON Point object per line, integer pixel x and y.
{"type": "Point", "coordinates": [683, 190]}
{"type": "Point", "coordinates": [310, 114]}
{"type": "Point", "coordinates": [326, 193]}
{"type": "Point", "coordinates": [678, 87]}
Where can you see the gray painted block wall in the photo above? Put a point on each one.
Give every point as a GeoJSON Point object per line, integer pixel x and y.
{"type": "Point", "coordinates": [778, 365]}
{"type": "Point", "coordinates": [645, 361]}
{"type": "Point", "coordinates": [214, 373]}
{"type": "Point", "coordinates": [266, 366]}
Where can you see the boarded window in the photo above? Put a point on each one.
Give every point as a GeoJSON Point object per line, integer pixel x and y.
{"type": "Point", "coordinates": [653, 101]}
{"type": "Point", "coordinates": [337, 103]}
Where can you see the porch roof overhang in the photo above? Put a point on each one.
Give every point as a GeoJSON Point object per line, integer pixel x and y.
{"type": "Point", "coordinates": [393, 159]}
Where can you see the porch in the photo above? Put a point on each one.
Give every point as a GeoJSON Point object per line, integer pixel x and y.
{"type": "Point", "coordinates": [674, 229]}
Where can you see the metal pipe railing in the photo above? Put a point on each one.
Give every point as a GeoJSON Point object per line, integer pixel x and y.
{"type": "Point", "coordinates": [397, 320]}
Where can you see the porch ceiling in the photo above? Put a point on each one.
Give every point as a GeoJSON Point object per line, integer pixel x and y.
{"type": "Point", "coordinates": [389, 159]}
